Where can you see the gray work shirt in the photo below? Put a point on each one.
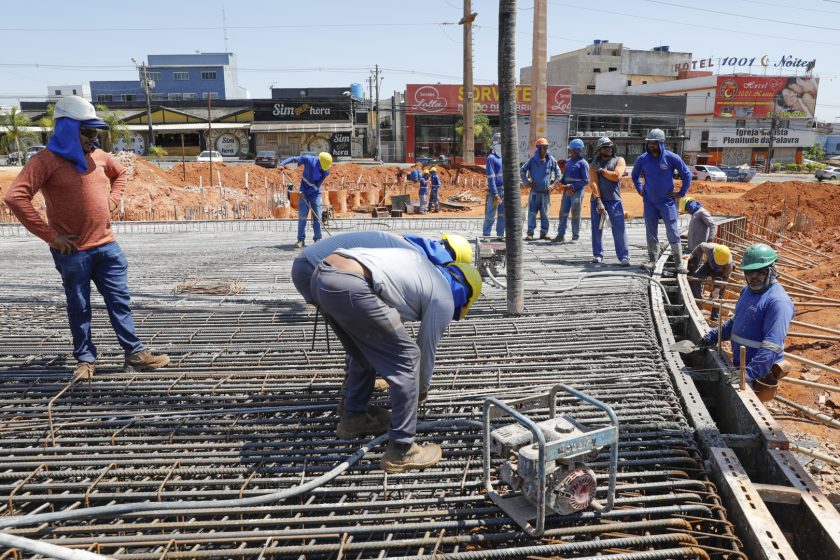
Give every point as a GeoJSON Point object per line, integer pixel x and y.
{"type": "Point", "coordinates": [407, 281]}
{"type": "Point", "coordinates": [701, 228]}
{"type": "Point", "coordinates": [370, 239]}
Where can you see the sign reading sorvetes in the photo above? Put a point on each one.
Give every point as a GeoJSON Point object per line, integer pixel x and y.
{"type": "Point", "coordinates": [448, 99]}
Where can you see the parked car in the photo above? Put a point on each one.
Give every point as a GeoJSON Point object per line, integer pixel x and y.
{"type": "Point", "coordinates": [741, 174]}
{"type": "Point", "coordinates": [14, 158]}
{"type": "Point", "coordinates": [32, 150]}
{"type": "Point", "coordinates": [709, 173]}
{"type": "Point", "coordinates": [267, 158]}
{"type": "Point", "coordinates": [206, 156]}
{"type": "Point", "coordinates": [17, 158]}
{"type": "Point", "coordinates": [828, 173]}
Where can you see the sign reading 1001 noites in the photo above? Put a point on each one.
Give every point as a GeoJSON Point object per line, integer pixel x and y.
{"type": "Point", "coordinates": [761, 97]}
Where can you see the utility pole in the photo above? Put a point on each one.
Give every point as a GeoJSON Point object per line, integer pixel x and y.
{"type": "Point", "coordinates": [469, 103]}
{"type": "Point", "coordinates": [539, 125]}
{"type": "Point", "coordinates": [144, 79]}
{"type": "Point", "coordinates": [377, 80]}
{"type": "Point", "coordinates": [209, 142]}
{"type": "Point", "coordinates": [774, 123]}
{"type": "Point", "coordinates": [510, 156]}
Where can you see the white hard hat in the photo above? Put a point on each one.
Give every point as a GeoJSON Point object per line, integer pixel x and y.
{"type": "Point", "coordinates": [79, 109]}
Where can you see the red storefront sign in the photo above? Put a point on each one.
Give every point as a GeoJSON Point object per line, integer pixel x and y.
{"type": "Point", "coordinates": [762, 97]}
{"type": "Point", "coordinates": [448, 99]}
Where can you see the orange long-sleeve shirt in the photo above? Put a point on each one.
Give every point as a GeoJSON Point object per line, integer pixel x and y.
{"type": "Point", "coordinates": [77, 203]}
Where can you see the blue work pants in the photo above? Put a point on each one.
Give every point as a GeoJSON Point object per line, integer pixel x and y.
{"type": "Point", "coordinates": [538, 202]}
{"type": "Point", "coordinates": [492, 214]}
{"type": "Point", "coordinates": [667, 211]}
{"type": "Point", "coordinates": [570, 205]}
{"type": "Point", "coordinates": [305, 204]}
{"type": "Point", "coordinates": [615, 213]}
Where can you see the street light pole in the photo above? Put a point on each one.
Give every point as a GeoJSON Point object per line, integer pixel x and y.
{"type": "Point", "coordinates": [145, 81]}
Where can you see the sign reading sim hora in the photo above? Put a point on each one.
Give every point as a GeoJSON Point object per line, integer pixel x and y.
{"type": "Point", "coordinates": [448, 99]}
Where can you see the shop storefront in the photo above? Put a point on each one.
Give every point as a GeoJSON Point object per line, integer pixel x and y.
{"type": "Point", "coordinates": [749, 146]}
{"type": "Point", "coordinates": [434, 110]}
{"type": "Point", "coordinates": [290, 127]}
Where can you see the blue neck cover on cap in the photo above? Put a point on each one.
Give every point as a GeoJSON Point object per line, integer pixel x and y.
{"type": "Point", "coordinates": [65, 142]}
{"type": "Point", "coordinates": [435, 250]}
{"type": "Point", "coordinates": [458, 288]}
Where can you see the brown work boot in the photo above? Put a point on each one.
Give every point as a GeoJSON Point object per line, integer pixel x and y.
{"type": "Point", "coordinates": [380, 385]}
{"type": "Point", "coordinates": [401, 457]}
{"type": "Point", "coordinates": [141, 361]}
{"type": "Point", "coordinates": [84, 370]}
{"type": "Point", "coordinates": [371, 423]}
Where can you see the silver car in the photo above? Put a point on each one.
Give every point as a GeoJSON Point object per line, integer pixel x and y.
{"type": "Point", "coordinates": [828, 174]}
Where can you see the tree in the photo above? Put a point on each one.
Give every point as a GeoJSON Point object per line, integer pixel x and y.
{"type": "Point", "coordinates": [483, 132]}
{"type": "Point", "coordinates": [15, 126]}
{"type": "Point", "coordinates": [48, 120]}
{"type": "Point", "coordinates": [116, 129]}
{"type": "Point", "coordinates": [815, 152]}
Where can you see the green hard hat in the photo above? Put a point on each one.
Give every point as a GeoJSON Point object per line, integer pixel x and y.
{"type": "Point", "coordinates": [758, 256]}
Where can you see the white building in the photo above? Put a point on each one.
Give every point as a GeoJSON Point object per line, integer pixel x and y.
{"type": "Point", "coordinates": [55, 93]}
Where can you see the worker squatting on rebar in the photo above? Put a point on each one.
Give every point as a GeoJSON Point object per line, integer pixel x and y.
{"type": "Point", "coordinates": [710, 259]}
{"type": "Point", "coordinates": [82, 186]}
{"type": "Point", "coordinates": [366, 284]}
{"type": "Point", "coordinates": [702, 227]}
{"type": "Point", "coordinates": [657, 165]}
{"type": "Point", "coordinates": [315, 170]}
{"type": "Point", "coordinates": [762, 317]}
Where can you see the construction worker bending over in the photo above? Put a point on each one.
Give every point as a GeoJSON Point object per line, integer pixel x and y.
{"type": "Point", "coordinates": [366, 294]}
{"type": "Point", "coordinates": [423, 192]}
{"type": "Point", "coordinates": [702, 227]}
{"type": "Point", "coordinates": [762, 317]}
{"type": "Point", "coordinates": [434, 200]}
{"type": "Point", "coordinates": [575, 178]}
{"type": "Point", "coordinates": [710, 259]}
{"type": "Point", "coordinates": [605, 179]}
{"type": "Point", "coordinates": [82, 185]}
{"type": "Point", "coordinates": [315, 170]}
{"type": "Point", "coordinates": [540, 173]}
{"type": "Point", "coordinates": [494, 209]}
{"type": "Point", "coordinates": [660, 201]}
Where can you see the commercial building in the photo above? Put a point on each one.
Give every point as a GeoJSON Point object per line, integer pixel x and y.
{"type": "Point", "coordinates": [54, 93]}
{"type": "Point", "coordinates": [177, 77]}
{"type": "Point", "coordinates": [729, 119]}
{"type": "Point", "coordinates": [626, 67]}
{"type": "Point", "coordinates": [828, 136]}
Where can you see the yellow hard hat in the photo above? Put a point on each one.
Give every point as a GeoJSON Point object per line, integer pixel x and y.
{"type": "Point", "coordinates": [425, 171]}
{"type": "Point", "coordinates": [461, 248]}
{"type": "Point", "coordinates": [433, 169]}
{"type": "Point", "coordinates": [685, 200]}
{"type": "Point", "coordinates": [473, 278]}
{"type": "Point", "coordinates": [722, 255]}
{"type": "Point", "coordinates": [326, 160]}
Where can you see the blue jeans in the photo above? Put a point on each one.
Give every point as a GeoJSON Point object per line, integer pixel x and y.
{"type": "Point", "coordinates": [668, 212]}
{"type": "Point", "coordinates": [496, 214]}
{"type": "Point", "coordinates": [570, 205]}
{"type": "Point", "coordinates": [423, 201]}
{"type": "Point", "coordinates": [434, 202]}
{"type": "Point", "coordinates": [615, 213]}
{"type": "Point", "coordinates": [107, 267]}
{"type": "Point", "coordinates": [538, 202]}
{"type": "Point", "coordinates": [305, 203]}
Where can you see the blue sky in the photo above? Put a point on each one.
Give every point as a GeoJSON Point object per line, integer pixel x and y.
{"type": "Point", "coordinates": [335, 43]}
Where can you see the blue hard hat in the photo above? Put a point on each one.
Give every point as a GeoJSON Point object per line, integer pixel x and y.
{"type": "Point", "coordinates": [576, 144]}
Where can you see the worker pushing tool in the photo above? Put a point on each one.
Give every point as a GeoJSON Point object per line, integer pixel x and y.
{"type": "Point", "coordinates": [710, 260]}
{"type": "Point", "coordinates": [434, 197]}
{"type": "Point", "coordinates": [494, 208]}
{"type": "Point", "coordinates": [762, 316]}
{"type": "Point", "coordinates": [575, 178]}
{"type": "Point", "coordinates": [82, 185]}
{"type": "Point", "coordinates": [540, 173]}
{"type": "Point", "coordinates": [366, 294]}
{"type": "Point", "coordinates": [658, 165]}
{"type": "Point", "coordinates": [315, 170]}
{"type": "Point", "coordinates": [605, 180]}
{"type": "Point", "coordinates": [701, 227]}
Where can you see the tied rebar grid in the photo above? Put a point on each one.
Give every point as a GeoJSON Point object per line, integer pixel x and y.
{"type": "Point", "coordinates": [248, 407]}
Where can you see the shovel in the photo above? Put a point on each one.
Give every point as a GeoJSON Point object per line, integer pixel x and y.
{"type": "Point", "coordinates": [684, 347]}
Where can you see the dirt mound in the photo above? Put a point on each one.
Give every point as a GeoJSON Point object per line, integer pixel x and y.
{"type": "Point", "coordinates": [816, 200]}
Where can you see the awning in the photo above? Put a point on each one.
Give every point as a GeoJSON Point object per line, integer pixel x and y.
{"type": "Point", "coordinates": [301, 127]}
{"type": "Point", "coordinates": [187, 127]}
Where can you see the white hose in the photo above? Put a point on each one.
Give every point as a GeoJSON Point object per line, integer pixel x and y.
{"type": "Point", "coordinates": [47, 549]}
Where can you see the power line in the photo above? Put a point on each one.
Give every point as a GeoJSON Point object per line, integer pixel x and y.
{"type": "Point", "coordinates": [218, 27]}
{"type": "Point", "coordinates": [756, 18]}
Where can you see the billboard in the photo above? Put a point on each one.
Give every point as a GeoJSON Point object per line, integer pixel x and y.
{"type": "Point", "coordinates": [760, 138]}
{"type": "Point", "coordinates": [762, 97]}
{"type": "Point", "coordinates": [297, 110]}
{"type": "Point", "coordinates": [448, 99]}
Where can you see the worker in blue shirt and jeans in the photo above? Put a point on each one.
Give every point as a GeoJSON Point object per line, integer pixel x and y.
{"type": "Point", "coordinates": [494, 210]}
{"type": "Point", "coordinates": [539, 173]}
{"type": "Point", "coordinates": [315, 170]}
{"type": "Point", "coordinates": [575, 179]}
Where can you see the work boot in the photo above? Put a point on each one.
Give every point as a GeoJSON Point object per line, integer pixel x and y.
{"type": "Point", "coordinates": [529, 237]}
{"type": "Point", "coordinates": [380, 385]}
{"type": "Point", "coordinates": [597, 260]}
{"type": "Point", "coordinates": [402, 457]}
{"type": "Point", "coordinates": [544, 236]}
{"type": "Point", "coordinates": [653, 255]}
{"type": "Point", "coordinates": [575, 238]}
{"type": "Point", "coordinates": [676, 252]}
{"type": "Point", "coordinates": [141, 361]}
{"type": "Point", "coordinates": [300, 244]}
{"type": "Point", "coordinates": [625, 262]}
{"type": "Point", "coordinates": [559, 239]}
{"type": "Point", "coordinates": [84, 370]}
{"type": "Point", "coordinates": [369, 423]}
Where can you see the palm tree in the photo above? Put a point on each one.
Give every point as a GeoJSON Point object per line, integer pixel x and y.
{"type": "Point", "coordinates": [116, 129]}
{"type": "Point", "coordinates": [47, 122]}
{"type": "Point", "coordinates": [510, 155]}
{"type": "Point", "coordinates": [15, 126]}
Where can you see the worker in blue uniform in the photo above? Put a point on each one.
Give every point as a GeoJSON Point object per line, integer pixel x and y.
{"type": "Point", "coordinates": [315, 170]}
{"type": "Point", "coordinates": [657, 165]}
{"type": "Point", "coordinates": [762, 317]}
{"type": "Point", "coordinates": [605, 175]}
{"type": "Point", "coordinates": [434, 198]}
{"type": "Point", "coordinates": [494, 210]}
{"type": "Point", "coordinates": [423, 191]}
{"type": "Point", "coordinates": [540, 173]}
{"type": "Point", "coordinates": [575, 178]}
